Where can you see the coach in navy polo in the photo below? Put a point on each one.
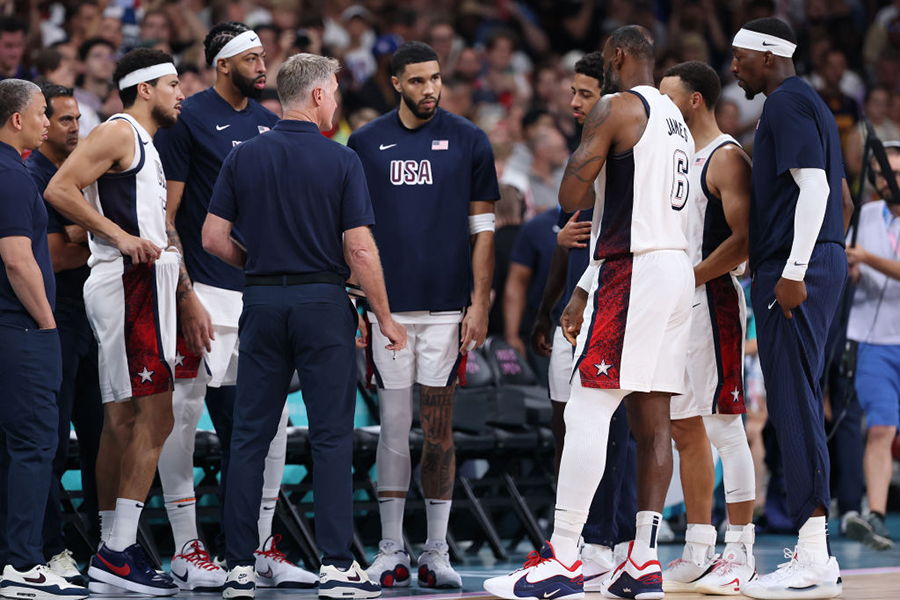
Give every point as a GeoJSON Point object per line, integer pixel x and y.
{"type": "Point", "coordinates": [30, 356]}
{"type": "Point", "coordinates": [302, 205]}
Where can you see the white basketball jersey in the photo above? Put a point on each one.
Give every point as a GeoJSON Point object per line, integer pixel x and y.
{"type": "Point", "coordinates": [646, 189]}
{"type": "Point", "coordinates": [707, 225]}
{"type": "Point", "coordinates": [134, 199]}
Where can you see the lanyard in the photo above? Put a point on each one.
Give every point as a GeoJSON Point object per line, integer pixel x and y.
{"type": "Point", "coordinates": [888, 221]}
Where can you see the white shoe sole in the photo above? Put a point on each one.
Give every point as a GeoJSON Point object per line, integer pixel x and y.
{"type": "Point", "coordinates": [265, 582]}
{"type": "Point", "coordinates": [342, 592]}
{"type": "Point", "coordinates": [821, 591]}
{"type": "Point", "coordinates": [679, 587]}
{"type": "Point", "coordinates": [30, 593]}
{"type": "Point", "coordinates": [230, 592]}
{"type": "Point", "coordinates": [108, 589]}
{"type": "Point", "coordinates": [107, 577]}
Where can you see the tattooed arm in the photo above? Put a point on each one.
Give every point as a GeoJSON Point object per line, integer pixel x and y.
{"type": "Point", "coordinates": [196, 326]}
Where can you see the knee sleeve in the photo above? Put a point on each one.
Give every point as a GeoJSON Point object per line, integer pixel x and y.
{"type": "Point", "coordinates": [274, 470]}
{"type": "Point", "coordinates": [726, 432]}
{"type": "Point", "coordinates": [587, 418]}
{"type": "Point", "coordinates": [176, 461]}
{"type": "Point", "coordinates": [392, 462]}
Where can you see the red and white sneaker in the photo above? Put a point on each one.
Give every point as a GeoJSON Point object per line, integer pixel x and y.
{"type": "Point", "coordinates": [195, 571]}
{"type": "Point", "coordinates": [541, 578]}
{"type": "Point", "coordinates": [730, 572]}
{"type": "Point", "coordinates": [631, 580]}
{"type": "Point", "coordinates": [273, 569]}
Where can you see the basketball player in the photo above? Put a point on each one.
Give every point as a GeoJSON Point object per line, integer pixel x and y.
{"type": "Point", "coordinates": [799, 268]}
{"type": "Point", "coordinates": [711, 407]}
{"type": "Point", "coordinates": [212, 122]}
{"type": "Point", "coordinates": [639, 315]}
{"type": "Point", "coordinates": [433, 185]}
{"type": "Point", "coordinates": [610, 523]}
{"type": "Point", "coordinates": [130, 302]}
{"type": "Point", "coordinates": [79, 400]}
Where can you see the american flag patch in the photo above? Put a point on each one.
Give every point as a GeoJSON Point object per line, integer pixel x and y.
{"type": "Point", "coordinates": [440, 145]}
{"type": "Point", "coordinates": [699, 161]}
{"type": "Point", "coordinates": [262, 128]}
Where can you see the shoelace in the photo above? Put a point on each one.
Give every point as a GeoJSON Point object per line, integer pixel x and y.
{"type": "Point", "coordinates": [675, 563]}
{"type": "Point", "coordinates": [200, 558]}
{"type": "Point", "coordinates": [273, 552]}
{"type": "Point", "coordinates": [65, 559]}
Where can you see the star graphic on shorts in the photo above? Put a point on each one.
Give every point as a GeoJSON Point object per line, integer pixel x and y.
{"type": "Point", "coordinates": [603, 368]}
{"type": "Point", "coordinates": [179, 359]}
{"type": "Point", "coordinates": [146, 375]}
{"type": "Point", "coordinates": [736, 395]}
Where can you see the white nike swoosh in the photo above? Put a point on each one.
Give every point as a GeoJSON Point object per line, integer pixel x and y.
{"type": "Point", "coordinates": [221, 127]}
{"type": "Point", "coordinates": [772, 303]}
{"type": "Point", "coordinates": [383, 147]}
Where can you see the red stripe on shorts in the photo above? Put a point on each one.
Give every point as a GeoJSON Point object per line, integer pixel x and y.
{"type": "Point", "coordinates": [601, 359]}
{"type": "Point", "coordinates": [728, 336]}
{"type": "Point", "coordinates": [148, 373]}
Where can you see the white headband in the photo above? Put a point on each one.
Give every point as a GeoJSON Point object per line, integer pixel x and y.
{"type": "Point", "coordinates": [762, 42]}
{"type": "Point", "coordinates": [147, 74]}
{"type": "Point", "coordinates": [238, 44]}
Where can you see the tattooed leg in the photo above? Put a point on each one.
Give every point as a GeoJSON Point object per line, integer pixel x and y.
{"type": "Point", "coordinates": [438, 457]}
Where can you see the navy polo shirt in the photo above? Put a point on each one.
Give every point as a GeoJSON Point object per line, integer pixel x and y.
{"type": "Point", "coordinates": [579, 258]}
{"type": "Point", "coordinates": [22, 213]}
{"type": "Point", "coordinates": [70, 282]}
{"type": "Point", "coordinates": [192, 152]}
{"type": "Point", "coordinates": [292, 193]}
{"type": "Point", "coordinates": [796, 131]}
{"type": "Point", "coordinates": [422, 183]}
{"type": "Point", "coordinates": [534, 249]}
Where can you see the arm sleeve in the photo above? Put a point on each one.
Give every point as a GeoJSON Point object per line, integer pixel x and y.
{"type": "Point", "coordinates": [808, 217]}
{"type": "Point", "coordinates": [484, 172]}
{"type": "Point", "coordinates": [797, 141]}
{"type": "Point", "coordinates": [224, 201]}
{"type": "Point", "coordinates": [356, 205]}
{"type": "Point", "coordinates": [174, 147]}
{"type": "Point", "coordinates": [16, 211]}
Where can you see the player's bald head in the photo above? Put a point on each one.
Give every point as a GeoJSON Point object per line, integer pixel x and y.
{"type": "Point", "coordinates": [634, 40]}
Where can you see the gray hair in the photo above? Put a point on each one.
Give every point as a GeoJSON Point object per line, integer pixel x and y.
{"type": "Point", "coordinates": [15, 96]}
{"type": "Point", "coordinates": [301, 74]}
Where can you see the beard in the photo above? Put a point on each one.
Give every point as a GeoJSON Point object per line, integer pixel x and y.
{"type": "Point", "coordinates": [165, 120]}
{"type": "Point", "coordinates": [611, 82]}
{"type": "Point", "coordinates": [245, 85]}
{"type": "Point", "coordinates": [750, 94]}
{"type": "Point", "coordinates": [419, 113]}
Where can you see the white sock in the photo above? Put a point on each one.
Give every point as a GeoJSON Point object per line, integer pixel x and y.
{"type": "Point", "coordinates": [699, 543]}
{"type": "Point", "coordinates": [182, 513]}
{"type": "Point", "coordinates": [644, 548]}
{"type": "Point", "coordinates": [107, 518]}
{"type": "Point", "coordinates": [739, 541]}
{"type": "Point", "coordinates": [266, 514]}
{"type": "Point", "coordinates": [437, 512]}
{"type": "Point", "coordinates": [391, 512]}
{"type": "Point", "coordinates": [567, 526]}
{"type": "Point", "coordinates": [813, 543]}
{"type": "Point", "coordinates": [124, 531]}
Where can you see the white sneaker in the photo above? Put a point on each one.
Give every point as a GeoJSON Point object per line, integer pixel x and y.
{"type": "Point", "coordinates": [541, 577]}
{"type": "Point", "coordinates": [240, 583]}
{"type": "Point", "coordinates": [351, 583]}
{"type": "Point", "coordinates": [596, 562]}
{"type": "Point", "coordinates": [193, 569]}
{"type": "Point", "coordinates": [64, 565]}
{"type": "Point", "coordinates": [275, 570]}
{"type": "Point", "coordinates": [729, 574]}
{"type": "Point", "coordinates": [434, 567]}
{"type": "Point", "coordinates": [101, 588]}
{"type": "Point", "coordinates": [682, 575]}
{"type": "Point", "coordinates": [631, 580]}
{"type": "Point", "coordinates": [38, 583]}
{"type": "Point", "coordinates": [798, 579]}
{"type": "Point", "coordinates": [391, 567]}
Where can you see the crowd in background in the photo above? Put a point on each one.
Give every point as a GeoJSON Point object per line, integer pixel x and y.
{"type": "Point", "coordinates": [506, 65]}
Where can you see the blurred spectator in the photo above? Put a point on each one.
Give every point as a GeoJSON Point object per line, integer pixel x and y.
{"type": "Point", "coordinates": [155, 27]}
{"type": "Point", "coordinates": [53, 66]}
{"type": "Point", "coordinates": [110, 29]}
{"type": "Point", "coordinates": [500, 82]}
{"type": "Point", "coordinates": [269, 99]}
{"type": "Point", "coordinates": [546, 83]}
{"type": "Point", "coordinates": [728, 117]}
{"type": "Point", "coordinates": [12, 48]}
{"type": "Point", "coordinates": [442, 37]}
{"type": "Point", "coordinates": [468, 64]}
{"type": "Point", "coordinates": [358, 59]}
{"type": "Point", "coordinates": [378, 92]}
{"type": "Point", "coordinates": [549, 155]}
{"type": "Point", "coordinates": [883, 36]}
{"type": "Point", "coordinates": [697, 26]}
{"type": "Point", "coordinates": [887, 72]}
{"type": "Point", "coordinates": [749, 112]}
{"type": "Point", "coordinates": [878, 103]}
{"type": "Point", "coordinates": [92, 91]}
{"type": "Point", "coordinates": [508, 212]}
{"type": "Point", "coordinates": [271, 38]}
{"type": "Point", "coordinates": [456, 96]}
{"type": "Point", "coordinates": [844, 108]}
{"type": "Point", "coordinates": [189, 80]}
{"type": "Point", "coordinates": [362, 116]}
{"type": "Point", "coordinates": [82, 20]}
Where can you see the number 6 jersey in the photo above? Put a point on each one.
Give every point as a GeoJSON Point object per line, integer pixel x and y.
{"type": "Point", "coordinates": [646, 189]}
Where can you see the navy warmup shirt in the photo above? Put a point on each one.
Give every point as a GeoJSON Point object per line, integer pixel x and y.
{"type": "Point", "coordinates": [193, 152]}
{"type": "Point", "coordinates": [69, 283]}
{"type": "Point", "coordinates": [292, 193]}
{"type": "Point", "coordinates": [796, 131]}
{"type": "Point", "coordinates": [534, 249]}
{"type": "Point", "coordinates": [421, 182]}
{"type": "Point", "coordinates": [579, 258]}
{"type": "Point", "coordinates": [22, 213]}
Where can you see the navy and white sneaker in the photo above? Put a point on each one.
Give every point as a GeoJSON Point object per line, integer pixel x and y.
{"type": "Point", "coordinates": [350, 583]}
{"type": "Point", "coordinates": [542, 577]}
{"type": "Point", "coordinates": [631, 580]}
{"type": "Point", "coordinates": [38, 583]}
{"type": "Point", "coordinates": [130, 570]}
{"type": "Point", "coordinates": [240, 583]}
